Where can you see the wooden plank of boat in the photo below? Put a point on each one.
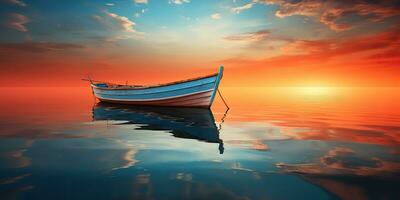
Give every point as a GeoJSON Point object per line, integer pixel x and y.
{"type": "Point", "coordinates": [197, 92]}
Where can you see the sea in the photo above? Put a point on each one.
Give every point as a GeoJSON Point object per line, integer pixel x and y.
{"type": "Point", "coordinates": [265, 143]}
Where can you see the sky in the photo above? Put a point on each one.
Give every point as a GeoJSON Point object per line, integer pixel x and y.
{"type": "Point", "coordinates": [259, 42]}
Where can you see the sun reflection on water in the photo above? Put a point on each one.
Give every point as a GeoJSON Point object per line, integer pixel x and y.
{"type": "Point", "coordinates": [315, 90]}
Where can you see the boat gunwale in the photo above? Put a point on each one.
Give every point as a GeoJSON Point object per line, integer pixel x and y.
{"type": "Point", "coordinates": [155, 92]}
{"type": "Point", "coordinates": [141, 87]}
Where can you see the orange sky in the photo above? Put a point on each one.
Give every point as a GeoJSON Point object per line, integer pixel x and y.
{"type": "Point", "coordinates": [260, 43]}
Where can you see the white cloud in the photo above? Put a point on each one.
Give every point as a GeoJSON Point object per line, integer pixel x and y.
{"type": "Point", "coordinates": [18, 22]}
{"type": "Point", "coordinates": [110, 4]}
{"type": "Point", "coordinates": [242, 8]}
{"type": "Point", "coordinates": [249, 37]}
{"type": "Point", "coordinates": [178, 1]}
{"type": "Point", "coordinates": [216, 16]}
{"type": "Point", "coordinates": [124, 27]}
{"type": "Point", "coordinates": [140, 13]}
{"type": "Point", "coordinates": [123, 22]}
{"type": "Point", "coordinates": [141, 1]}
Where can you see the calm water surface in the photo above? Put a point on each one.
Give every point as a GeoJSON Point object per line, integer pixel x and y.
{"type": "Point", "coordinates": [274, 143]}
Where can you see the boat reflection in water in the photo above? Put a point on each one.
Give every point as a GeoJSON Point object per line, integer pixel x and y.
{"type": "Point", "coordinates": [189, 123]}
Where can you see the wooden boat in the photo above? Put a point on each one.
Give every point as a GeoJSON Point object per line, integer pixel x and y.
{"type": "Point", "coordinates": [187, 123]}
{"type": "Point", "coordinates": [197, 92]}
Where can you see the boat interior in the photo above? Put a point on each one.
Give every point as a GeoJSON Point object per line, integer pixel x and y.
{"type": "Point", "coordinates": [107, 85]}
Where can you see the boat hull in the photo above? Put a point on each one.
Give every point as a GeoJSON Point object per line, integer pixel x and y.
{"type": "Point", "coordinates": [198, 92]}
{"type": "Point", "coordinates": [202, 99]}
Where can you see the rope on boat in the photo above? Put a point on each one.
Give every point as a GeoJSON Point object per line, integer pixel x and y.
{"type": "Point", "coordinates": [221, 143]}
{"type": "Point", "coordinates": [226, 112]}
{"type": "Point", "coordinates": [220, 95]}
{"type": "Point", "coordinates": [222, 119]}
